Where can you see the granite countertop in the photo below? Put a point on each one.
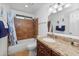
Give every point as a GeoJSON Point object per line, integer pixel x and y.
{"type": "Point", "coordinates": [63, 47]}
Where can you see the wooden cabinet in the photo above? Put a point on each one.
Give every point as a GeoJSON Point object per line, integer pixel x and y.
{"type": "Point", "coordinates": [43, 50]}
{"type": "Point", "coordinates": [55, 53]}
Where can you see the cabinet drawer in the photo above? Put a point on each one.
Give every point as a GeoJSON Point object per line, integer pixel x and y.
{"type": "Point", "coordinates": [54, 53]}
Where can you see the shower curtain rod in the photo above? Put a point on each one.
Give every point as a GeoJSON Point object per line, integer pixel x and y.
{"type": "Point", "coordinates": [24, 16]}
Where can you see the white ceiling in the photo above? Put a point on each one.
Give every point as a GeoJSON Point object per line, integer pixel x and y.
{"type": "Point", "coordinates": [33, 7]}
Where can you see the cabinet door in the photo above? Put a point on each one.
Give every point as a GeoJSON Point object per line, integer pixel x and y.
{"type": "Point", "coordinates": [42, 50]}
{"type": "Point", "coordinates": [55, 53]}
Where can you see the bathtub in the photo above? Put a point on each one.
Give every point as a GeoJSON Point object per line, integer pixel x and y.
{"type": "Point", "coordinates": [28, 44]}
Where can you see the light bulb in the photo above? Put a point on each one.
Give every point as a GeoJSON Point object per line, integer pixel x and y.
{"type": "Point", "coordinates": [26, 5]}
{"type": "Point", "coordinates": [60, 8]}
{"type": "Point", "coordinates": [55, 6]}
{"type": "Point", "coordinates": [67, 5]}
{"type": "Point", "coordinates": [50, 9]}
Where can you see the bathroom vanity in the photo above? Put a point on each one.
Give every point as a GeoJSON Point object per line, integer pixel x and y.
{"type": "Point", "coordinates": [60, 47]}
{"type": "Point", "coordinates": [43, 50]}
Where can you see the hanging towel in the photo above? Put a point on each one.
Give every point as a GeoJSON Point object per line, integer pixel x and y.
{"type": "Point", "coordinates": [60, 29]}
{"type": "Point", "coordinates": [3, 30]}
{"type": "Point", "coordinates": [12, 36]}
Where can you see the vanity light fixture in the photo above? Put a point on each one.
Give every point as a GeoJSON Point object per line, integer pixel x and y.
{"type": "Point", "coordinates": [55, 6]}
{"type": "Point", "coordinates": [26, 6]}
{"type": "Point", "coordinates": [52, 10]}
{"type": "Point", "coordinates": [62, 4]}
{"type": "Point", "coordinates": [58, 7]}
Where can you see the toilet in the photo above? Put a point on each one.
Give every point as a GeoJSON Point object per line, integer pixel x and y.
{"type": "Point", "coordinates": [28, 44]}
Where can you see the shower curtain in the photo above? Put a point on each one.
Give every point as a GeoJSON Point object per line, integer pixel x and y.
{"type": "Point", "coordinates": [12, 33]}
{"type": "Point", "coordinates": [7, 17]}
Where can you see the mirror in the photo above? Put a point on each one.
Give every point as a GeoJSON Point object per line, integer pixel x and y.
{"type": "Point", "coordinates": [66, 21]}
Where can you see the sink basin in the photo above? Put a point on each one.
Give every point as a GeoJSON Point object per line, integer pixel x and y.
{"type": "Point", "coordinates": [50, 40]}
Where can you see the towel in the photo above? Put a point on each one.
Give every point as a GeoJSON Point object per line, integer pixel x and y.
{"type": "Point", "coordinates": [60, 29]}
{"type": "Point", "coordinates": [3, 30]}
